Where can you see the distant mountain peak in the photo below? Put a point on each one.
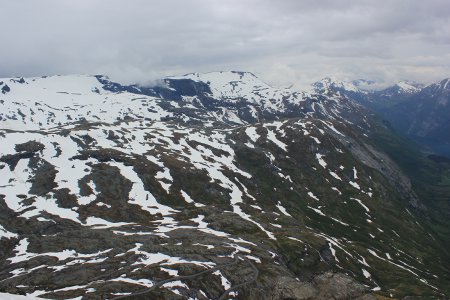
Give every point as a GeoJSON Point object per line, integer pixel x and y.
{"type": "Point", "coordinates": [236, 75]}
{"type": "Point", "coordinates": [445, 84]}
{"type": "Point", "coordinates": [333, 84]}
{"type": "Point", "coordinates": [407, 86]}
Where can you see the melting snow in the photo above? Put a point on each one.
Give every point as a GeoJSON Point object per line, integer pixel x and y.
{"type": "Point", "coordinates": [317, 210]}
{"type": "Point", "coordinates": [282, 209]}
{"type": "Point", "coordinates": [186, 197]}
{"type": "Point", "coordinates": [295, 239]}
{"type": "Point", "coordinates": [315, 139]}
{"type": "Point", "coordinates": [320, 160]}
{"type": "Point", "coordinates": [203, 226]}
{"type": "Point", "coordinates": [22, 253]}
{"type": "Point", "coordinates": [335, 175]}
{"type": "Point", "coordinates": [313, 196]}
{"type": "Point", "coordinates": [355, 173]}
{"type": "Point", "coordinates": [360, 202]}
{"type": "Point", "coordinates": [225, 283]}
{"type": "Point", "coordinates": [354, 184]}
{"type": "Point", "coordinates": [143, 282]}
{"type": "Point", "coordinates": [5, 296]}
{"type": "Point", "coordinates": [252, 134]}
{"type": "Point", "coordinates": [99, 223]}
{"type": "Point", "coordinates": [163, 259]}
{"type": "Point", "coordinates": [6, 234]}
{"type": "Point", "coordinates": [171, 272]}
{"type": "Point", "coordinates": [163, 177]}
{"type": "Point", "coordinates": [272, 137]}
{"type": "Point", "coordinates": [138, 195]}
{"type": "Point", "coordinates": [339, 221]}
{"type": "Point", "coordinates": [335, 189]}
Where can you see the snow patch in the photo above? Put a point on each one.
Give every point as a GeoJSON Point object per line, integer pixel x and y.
{"type": "Point", "coordinates": [320, 160]}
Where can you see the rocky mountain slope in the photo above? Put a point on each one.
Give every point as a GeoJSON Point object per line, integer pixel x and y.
{"type": "Point", "coordinates": [209, 186]}
{"type": "Point", "coordinates": [425, 116]}
{"type": "Point", "coordinates": [419, 112]}
{"type": "Point", "coordinates": [419, 141]}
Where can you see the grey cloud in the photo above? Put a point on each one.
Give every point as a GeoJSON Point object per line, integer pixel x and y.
{"type": "Point", "coordinates": [284, 42]}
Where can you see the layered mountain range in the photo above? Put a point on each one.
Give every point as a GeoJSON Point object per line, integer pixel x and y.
{"type": "Point", "coordinates": [207, 186]}
{"type": "Point", "coordinates": [417, 111]}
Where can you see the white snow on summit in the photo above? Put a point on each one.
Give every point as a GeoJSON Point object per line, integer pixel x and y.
{"type": "Point", "coordinates": [331, 82]}
{"type": "Point", "coordinates": [234, 86]}
{"type": "Point", "coordinates": [46, 102]}
{"type": "Point", "coordinates": [407, 87]}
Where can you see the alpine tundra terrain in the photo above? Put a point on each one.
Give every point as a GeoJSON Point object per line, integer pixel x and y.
{"type": "Point", "coordinates": [207, 186]}
{"type": "Point", "coordinates": [418, 117]}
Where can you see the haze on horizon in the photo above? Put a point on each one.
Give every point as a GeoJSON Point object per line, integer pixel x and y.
{"type": "Point", "coordinates": [282, 42]}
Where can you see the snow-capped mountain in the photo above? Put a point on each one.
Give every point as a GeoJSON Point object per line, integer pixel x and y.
{"type": "Point", "coordinates": [438, 89]}
{"type": "Point", "coordinates": [425, 116]}
{"type": "Point", "coordinates": [328, 84]}
{"type": "Point", "coordinates": [208, 186]}
{"type": "Point", "coordinates": [237, 86]}
{"type": "Point", "coordinates": [362, 87]}
{"type": "Point", "coordinates": [46, 102]}
{"type": "Point", "coordinates": [397, 92]}
{"type": "Point", "coordinates": [356, 90]}
{"type": "Point", "coordinates": [208, 99]}
{"type": "Point", "coordinates": [415, 110]}
{"type": "Point", "coordinates": [408, 87]}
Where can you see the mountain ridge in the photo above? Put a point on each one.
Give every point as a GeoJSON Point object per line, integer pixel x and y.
{"type": "Point", "coordinates": [419, 112]}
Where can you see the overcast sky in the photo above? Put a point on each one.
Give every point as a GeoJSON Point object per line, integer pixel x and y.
{"type": "Point", "coordinates": [283, 42]}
